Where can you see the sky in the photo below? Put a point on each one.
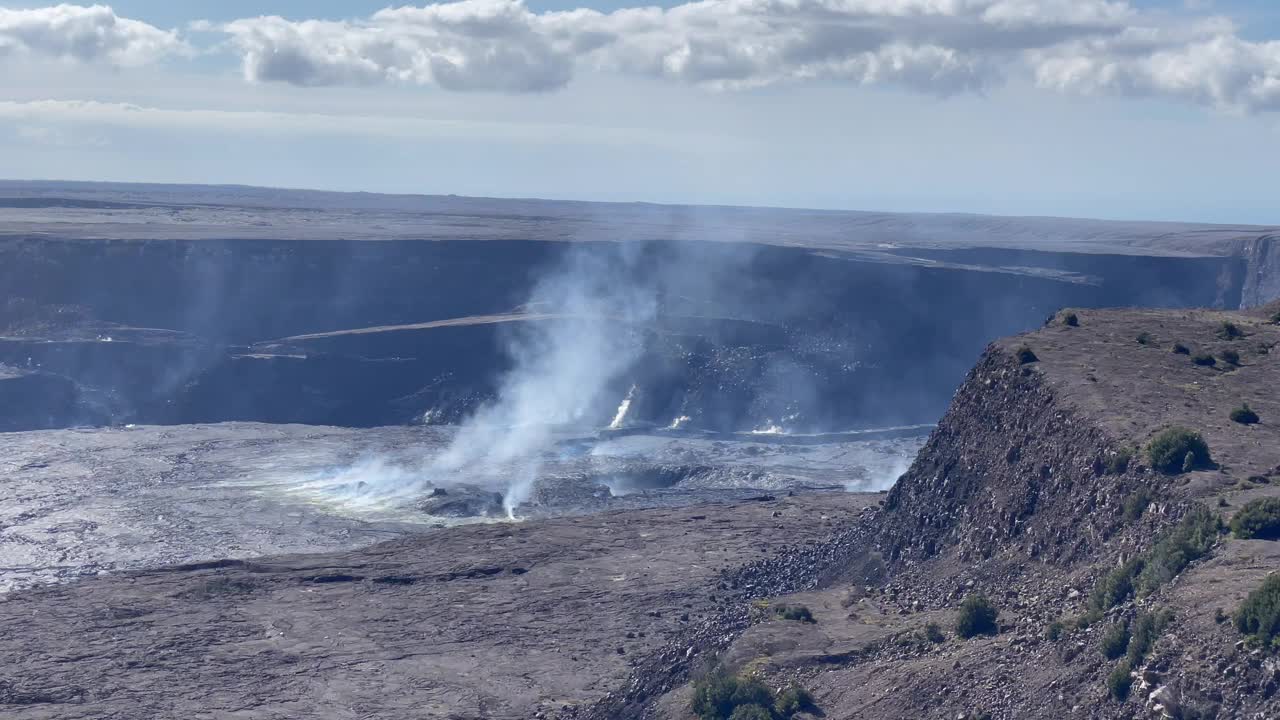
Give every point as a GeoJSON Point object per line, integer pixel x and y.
{"type": "Point", "coordinates": [1138, 109]}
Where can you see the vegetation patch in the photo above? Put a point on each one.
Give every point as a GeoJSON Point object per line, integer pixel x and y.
{"type": "Point", "coordinates": [1259, 615]}
{"type": "Point", "coordinates": [1188, 541]}
{"type": "Point", "coordinates": [1180, 349]}
{"type": "Point", "coordinates": [1113, 588]}
{"type": "Point", "coordinates": [794, 700]}
{"type": "Point", "coordinates": [1120, 681]}
{"type": "Point", "coordinates": [1071, 320]}
{"type": "Point", "coordinates": [1258, 519]}
{"type": "Point", "coordinates": [1230, 357]}
{"type": "Point", "coordinates": [1115, 641]}
{"type": "Point", "coordinates": [1146, 630]}
{"type": "Point", "coordinates": [1245, 415]}
{"type": "Point", "coordinates": [797, 613]}
{"type": "Point", "coordinates": [977, 617]}
{"type": "Point", "coordinates": [1191, 539]}
{"type": "Point", "coordinates": [1204, 360]}
{"type": "Point", "coordinates": [1170, 450]}
{"type": "Point", "coordinates": [1229, 330]}
{"type": "Point", "coordinates": [1054, 630]}
{"type": "Point", "coordinates": [1025, 355]}
{"type": "Point", "coordinates": [1144, 338]}
{"type": "Point", "coordinates": [1136, 504]}
{"type": "Point", "coordinates": [1117, 463]}
{"type": "Point", "coordinates": [720, 695]}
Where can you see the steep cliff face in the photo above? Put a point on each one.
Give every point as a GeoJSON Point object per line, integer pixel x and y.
{"type": "Point", "coordinates": [1010, 468]}
{"type": "Point", "coordinates": [362, 333]}
{"type": "Point", "coordinates": [1262, 271]}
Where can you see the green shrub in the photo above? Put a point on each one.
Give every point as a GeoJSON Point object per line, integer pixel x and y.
{"type": "Point", "coordinates": [1259, 614]}
{"type": "Point", "coordinates": [1245, 415]}
{"type": "Point", "coordinates": [1054, 630]}
{"type": "Point", "coordinates": [751, 712]}
{"type": "Point", "coordinates": [1117, 463]}
{"type": "Point", "coordinates": [977, 617]}
{"type": "Point", "coordinates": [1275, 318]}
{"type": "Point", "coordinates": [1229, 330]}
{"type": "Point", "coordinates": [1204, 360]}
{"type": "Point", "coordinates": [1180, 349]}
{"type": "Point", "coordinates": [794, 700]}
{"type": "Point", "coordinates": [1144, 338]}
{"type": "Point", "coordinates": [1115, 641]}
{"type": "Point", "coordinates": [1120, 681]}
{"type": "Point", "coordinates": [719, 695]}
{"type": "Point", "coordinates": [1025, 355]}
{"type": "Point", "coordinates": [1146, 630]}
{"type": "Point", "coordinates": [933, 633]}
{"type": "Point", "coordinates": [1088, 618]}
{"type": "Point", "coordinates": [1230, 357]}
{"type": "Point", "coordinates": [797, 613]}
{"type": "Point", "coordinates": [1070, 319]}
{"type": "Point", "coordinates": [1188, 541]}
{"type": "Point", "coordinates": [1115, 587]}
{"type": "Point", "coordinates": [1258, 519]}
{"type": "Point", "coordinates": [1136, 504]}
{"type": "Point", "coordinates": [1169, 449]}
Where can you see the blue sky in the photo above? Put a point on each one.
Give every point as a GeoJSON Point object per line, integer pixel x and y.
{"type": "Point", "coordinates": [1102, 108]}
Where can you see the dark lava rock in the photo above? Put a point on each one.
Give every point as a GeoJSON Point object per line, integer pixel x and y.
{"type": "Point", "coordinates": [464, 501]}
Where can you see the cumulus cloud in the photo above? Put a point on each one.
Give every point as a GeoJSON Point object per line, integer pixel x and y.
{"type": "Point", "coordinates": [85, 34]}
{"type": "Point", "coordinates": [940, 47]}
{"type": "Point", "coordinates": [934, 46]}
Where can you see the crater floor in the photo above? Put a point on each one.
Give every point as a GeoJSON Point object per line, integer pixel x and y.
{"type": "Point", "coordinates": [85, 502]}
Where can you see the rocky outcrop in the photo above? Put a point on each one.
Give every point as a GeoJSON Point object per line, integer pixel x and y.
{"type": "Point", "coordinates": [1011, 466]}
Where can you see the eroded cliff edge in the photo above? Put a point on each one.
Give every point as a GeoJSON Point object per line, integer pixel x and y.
{"type": "Point", "coordinates": [1037, 491]}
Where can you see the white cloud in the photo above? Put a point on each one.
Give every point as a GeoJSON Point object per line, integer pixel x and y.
{"type": "Point", "coordinates": [80, 121]}
{"type": "Point", "coordinates": [934, 46]}
{"type": "Point", "coordinates": [1221, 71]}
{"type": "Point", "coordinates": [84, 34]}
{"type": "Point", "coordinates": [938, 47]}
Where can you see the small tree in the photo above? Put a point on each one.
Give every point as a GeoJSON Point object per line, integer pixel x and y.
{"type": "Point", "coordinates": [1259, 614]}
{"type": "Point", "coordinates": [1071, 320]}
{"type": "Point", "coordinates": [977, 617]}
{"type": "Point", "coordinates": [1120, 681]}
{"type": "Point", "coordinates": [794, 700]}
{"type": "Point", "coordinates": [1115, 641]}
{"type": "Point", "coordinates": [1204, 360]}
{"type": "Point", "coordinates": [1180, 349]}
{"type": "Point", "coordinates": [1229, 330]}
{"type": "Point", "coordinates": [1258, 519]}
{"type": "Point", "coordinates": [1168, 450]}
{"type": "Point", "coordinates": [797, 613]}
{"type": "Point", "coordinates": [1244, 415]}
{"type": "Point", "coordinates": [1230, 357]}
{"type": "Point", "coordinates": [1025, 355]}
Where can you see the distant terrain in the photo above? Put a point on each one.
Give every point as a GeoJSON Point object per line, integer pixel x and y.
{"type": "Point", "coordinates": [185, 304]}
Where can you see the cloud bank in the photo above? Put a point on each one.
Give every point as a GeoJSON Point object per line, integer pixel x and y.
{"type": "Point", "coordinates": [94, 35]}
{"type": "Point", "coordinates": [939, 47]}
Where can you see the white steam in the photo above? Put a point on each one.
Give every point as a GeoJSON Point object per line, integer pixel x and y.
{"type": "Point", "coordinates": [560, 369]}
{"type": "Point", "coordinates": [623, 408]}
